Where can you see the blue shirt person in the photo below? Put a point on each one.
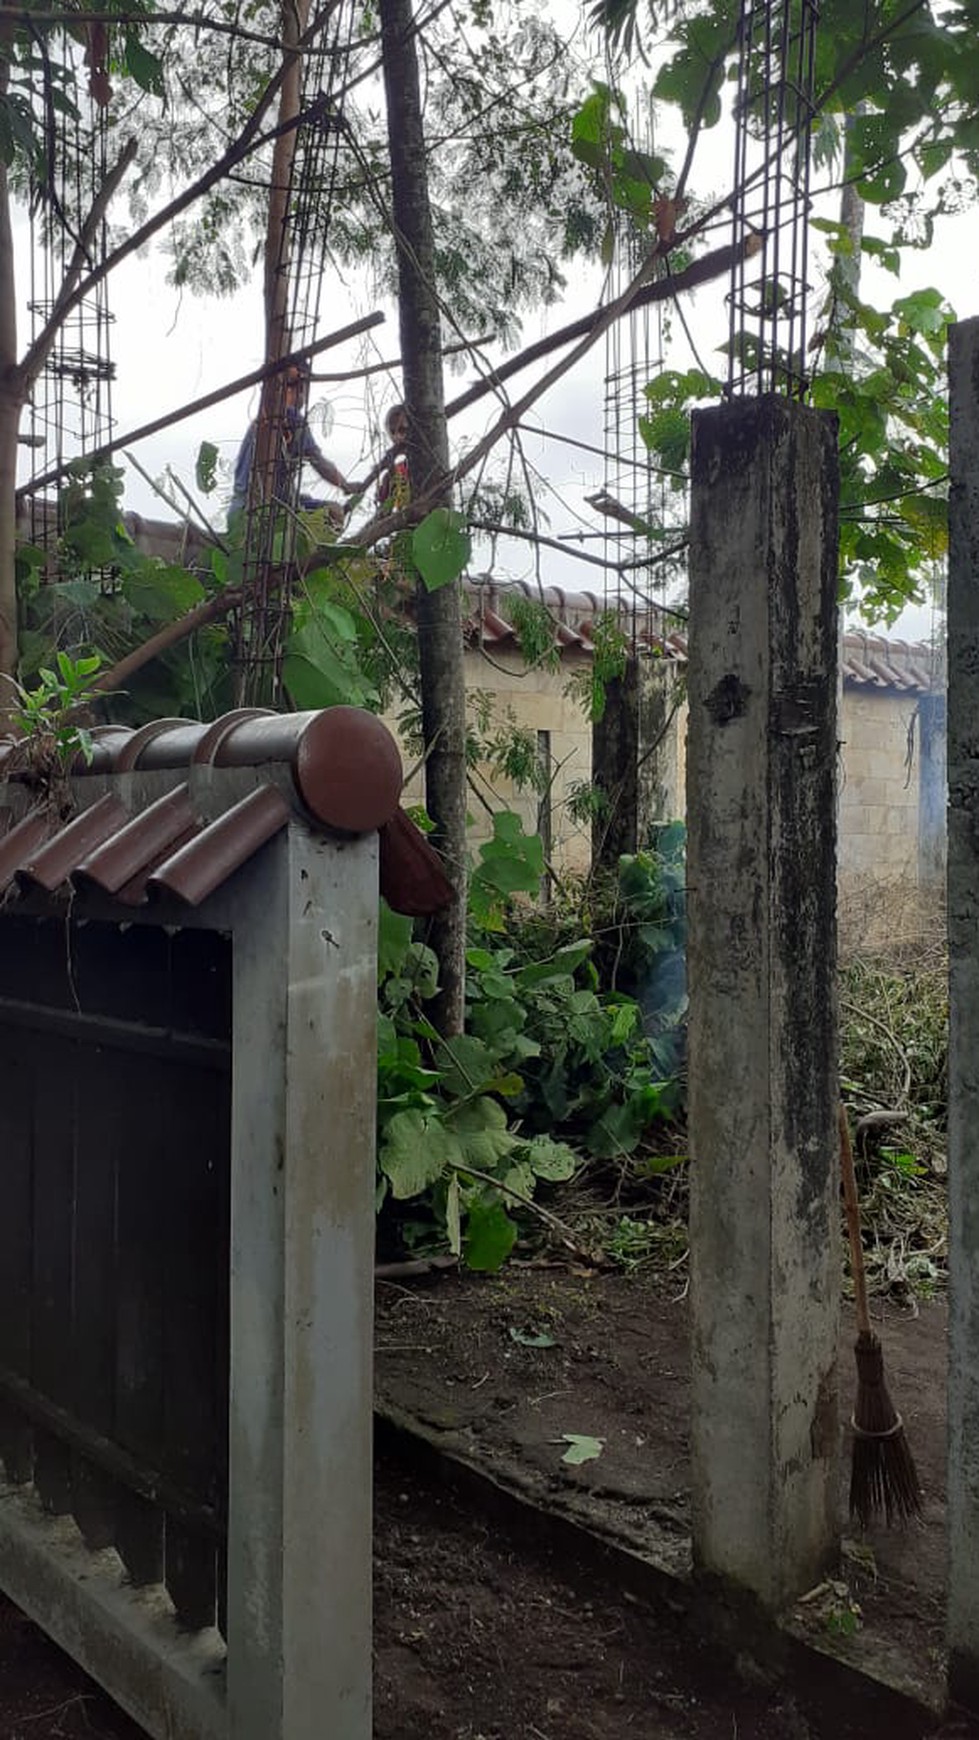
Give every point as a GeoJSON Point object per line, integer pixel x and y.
{"type": "Point", "coordinates": [297, 447]}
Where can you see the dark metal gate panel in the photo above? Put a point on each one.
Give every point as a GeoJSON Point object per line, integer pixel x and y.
{"type": "Point", "coordinates": [115, 1094]}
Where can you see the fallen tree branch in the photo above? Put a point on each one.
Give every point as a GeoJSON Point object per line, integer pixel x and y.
{"type": "Point", "coordinates": [588, 330]}
{"type": "Point", "coordinates": [702, 271]}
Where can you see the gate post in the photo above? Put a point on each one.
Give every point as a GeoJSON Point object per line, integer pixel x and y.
{"type": "Point", "coordinates": [764, 1223]}
{"type": "Point", "coordinates": [963, 1056]}
{"type": "Point", "coordinates": [302, 1263]}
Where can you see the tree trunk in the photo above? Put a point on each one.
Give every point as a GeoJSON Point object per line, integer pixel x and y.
{"type": "Point", "coordinates": [278, 243]}
{"type": "Point", "coordinates": [852, 210]}
{"type": "Point", "coordinates": [439, 613]}
{"type": "Point", "coordinates": [11, 403]}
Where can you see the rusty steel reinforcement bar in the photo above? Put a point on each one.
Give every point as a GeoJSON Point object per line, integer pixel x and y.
{"type": "Point", "coordinates": [148, 1482]}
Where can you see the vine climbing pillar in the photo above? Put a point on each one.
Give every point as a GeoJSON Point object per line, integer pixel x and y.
{"type": "Point", "coordinates": [761, 757]}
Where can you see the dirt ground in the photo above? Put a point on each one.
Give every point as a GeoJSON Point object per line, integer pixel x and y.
{"type": "Point", "coordinates": [502, 1373]}
{"type": "Point", "coordinates": [486, 1630]}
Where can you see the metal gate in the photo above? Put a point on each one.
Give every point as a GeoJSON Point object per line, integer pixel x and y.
{"type": "Point", "coordinates": [115, 1105]}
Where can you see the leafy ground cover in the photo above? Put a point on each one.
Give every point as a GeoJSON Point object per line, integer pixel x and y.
{"type": "Point", "coordinates": [894, 1073]}
{"type": "Point", "coordinates": [558, 1118]}
{"type": "Point", "coordinates": [571, 1056]}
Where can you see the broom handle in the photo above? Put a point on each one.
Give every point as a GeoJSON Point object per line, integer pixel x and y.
{"type": "Point", "coordinates": [852, 1205]}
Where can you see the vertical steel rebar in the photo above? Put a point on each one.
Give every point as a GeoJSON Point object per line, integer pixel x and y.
{"type": "Point", "coordinates": [70, 413]}
{"type": "Point", "coordinates": [768, 299]}
{"type": "Point", "coordinates": [272, 530]}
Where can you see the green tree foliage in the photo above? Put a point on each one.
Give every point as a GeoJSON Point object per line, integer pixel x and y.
{"type": "Point", "coordinates": [509, 202]}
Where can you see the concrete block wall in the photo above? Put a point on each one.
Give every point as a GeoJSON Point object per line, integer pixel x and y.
{"type": "Point", "coordinates": [879, 802]}
{"type": "Point", "coordinates": [878, 840]}
{"type": "Point", "coordinates": [539, 701]}
{"type": "Point", "coordinates": [879, 807]}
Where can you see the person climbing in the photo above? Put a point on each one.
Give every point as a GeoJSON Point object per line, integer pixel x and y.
{"type": "Point", "coordinates": [297, 449]}
{"type": "Point", "coordinates": [394, 488]}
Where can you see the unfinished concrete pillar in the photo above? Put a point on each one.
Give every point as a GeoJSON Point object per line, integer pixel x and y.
{"type": "Point", "coordinates": [932, 790]}
{"type": "Point", "coordinates": [761, 817]}
{"type": "Point", "coordinates": [963, 1058]}
{"type": "Point", "coordinates": [614, 761]}
{"type": "Point", "coordinates": [660, 779]}
{"type": "Point", "coordinates": [302, 1260]}
{"type": "Point", "coordinates": [636, 757]}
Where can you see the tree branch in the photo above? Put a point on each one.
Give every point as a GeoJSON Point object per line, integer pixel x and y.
{"type": "Point", "coordinates": [174, 632]}
{"type": "Point", "coordinates": [24, 18]}
{"type": "Point", "coordinates": [701, 271]}
{"type": "Point", "coordinates": [590, 328]}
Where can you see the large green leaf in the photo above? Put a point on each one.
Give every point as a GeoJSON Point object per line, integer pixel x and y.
{"type": "Point", "coordinates": [321, 667]}
{"type": "Point", "coordinates": [924, 310]}
{"type": "Point", "coordinates": [416, 1149]}
{"type": "Point", "coordinates": [512, 862]}
{"type": "Point", "coordinates": [440, 547]}
{"type": "Point", "coordinates": [467, 1064]}
{"type": "Point", "coordinates": [554, 1161]}
{"type": "Point", "coordinates": [490, 1237]}
{"type": "Point", "coordinates": [480, 1130]}
{"type": "Point", "coordinates": [163, 593]}
{"type": "Point", "coordinates": [206, 467]}
{"type": "Point", "coordinates": [393, 939]}
{"type": "Point", "coordinates": [581, 1448]}
{"type": "Point", "coordinates": [561, 965]}
{"type": "Point", "coordinates": [144, 67]}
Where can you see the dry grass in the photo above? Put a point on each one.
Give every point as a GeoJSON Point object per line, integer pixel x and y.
{"type": "Point", "coordinates": [894, 1077]}
{"type": "Point", "coordinates": [894, 921]}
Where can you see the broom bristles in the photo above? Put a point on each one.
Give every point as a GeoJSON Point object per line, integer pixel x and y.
{"type": "Point", "coordinates": [883, 1477]}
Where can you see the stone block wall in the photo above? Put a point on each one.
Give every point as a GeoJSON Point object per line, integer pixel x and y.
{"type": "Point", "coordinates": [879, 783]}
{"type": "Point", "coordinates": [881, 862]}
{"type": "Point", "coordinates": [538, 701]}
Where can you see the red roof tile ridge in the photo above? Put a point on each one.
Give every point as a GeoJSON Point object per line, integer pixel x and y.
{"type": "Point", "coordinates": [196, 869]}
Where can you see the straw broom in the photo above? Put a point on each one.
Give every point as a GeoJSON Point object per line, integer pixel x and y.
{"type": "Point", "coordinates": [883, 1478]}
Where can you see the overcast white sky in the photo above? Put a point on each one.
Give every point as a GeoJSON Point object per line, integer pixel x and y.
{"type": "Point", "coordinates": [170, 348]}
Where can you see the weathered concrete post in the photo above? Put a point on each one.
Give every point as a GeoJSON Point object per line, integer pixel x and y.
{"type": "Point", "coordinates": [761, 756]}
{"type": "Point", "coordinates": [963, 1059]}
{"type": "Point", "coordinates": [302, 1261]}
{"type": "Point", "coordinates": [932, 790]}
{"type": "Point", "coordinates": [636, 757]}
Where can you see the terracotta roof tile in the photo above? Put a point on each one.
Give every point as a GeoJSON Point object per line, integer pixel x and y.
{"type": "Point", "coordinates": [20, 841]}
{"type": "Point", "coordinates": [51, 863]}
{"type": "Point", "coordinates": [143, 843]}
{"type": "Point", "coordinates": [869, 660]}
{"type": "Point", "coordinates": [340, 769]}
{"type": "Point", "coordinates": [195, 870]}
